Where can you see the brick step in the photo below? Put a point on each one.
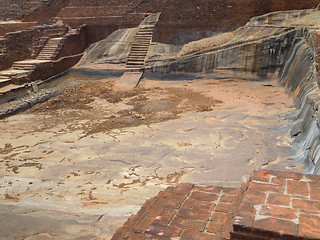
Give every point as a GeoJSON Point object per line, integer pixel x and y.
{"type": "Point", "coordinates": [279, 205]}
{"type": "Point", "coordinates": [271, 205]}
{"type": "Point", "coordinates": [185, 212]}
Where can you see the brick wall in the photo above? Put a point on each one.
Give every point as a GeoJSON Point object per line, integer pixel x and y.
{"type": "Point", "coordinates": [17, 9]}
{"type": "Point", "coordinates": [182, 21]}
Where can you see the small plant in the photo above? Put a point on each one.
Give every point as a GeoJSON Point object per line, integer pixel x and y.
{"type": "Point", "coordinates": [47, 2]}
{"type": "Point", "coordinates": [3, 50]}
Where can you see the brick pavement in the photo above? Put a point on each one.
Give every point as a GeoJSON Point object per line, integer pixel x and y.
{"type": "Point", "coordinates": [271, 205]}
{"type": "Point", "coordinates": [279, 205]}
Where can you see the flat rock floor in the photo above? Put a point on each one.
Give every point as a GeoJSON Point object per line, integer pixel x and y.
{"type": "Point", "coordinates": [77, 166]}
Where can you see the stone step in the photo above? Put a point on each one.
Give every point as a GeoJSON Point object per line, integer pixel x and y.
{"type": "Point", "coordinates": [145, 49]}
{"type": "Point", "coordinates": [140, 44]}
{"type": "Point", "coordinates": [136, 60]}
{"type": "Point", "coordinates": [141, 52]}
{"type": "Point", "coordinates": [4, 80]}
{"type": "Point", "coordinates": [10, 87]}
{"type": "Point", "coordinates": [17, 64]}
{"type": "Point", "coordinates": [128, 81]}
{"type": "Point", "coordinates": [24, 67]}
{"type": "Point", "coordinates": [131, 56]}
{"type": "Point", "coordinates": [14, 72]}
{"type": "Point", "coordinates": [47, 52]}
{"type": "Point", "coordinates": [51, 47]}
{"type": "Point", "coordinates": [135, 63]}
{"type": "Point", "coordinates": [144, 35]}
{"type": "Point", "coordinates": [139, 36]}
{"type": "Point", "coordinates": [137, 57]}
{"type": "Point", "coordinates": [146, 31]}
{"type": "Point", "coordinates": [44, 58]}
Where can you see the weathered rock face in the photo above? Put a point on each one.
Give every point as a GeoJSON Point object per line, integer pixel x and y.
{"type": "Point", "coordinates": [114, 49]}
{"type": "Point", "coordinates": [300, 77]}
{"type": "Point", "coordinates": [183, 21]}
{"type": "Point", "coordinates": [260, 57]}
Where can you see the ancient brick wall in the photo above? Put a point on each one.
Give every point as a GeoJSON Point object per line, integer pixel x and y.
{"type": "Point", "coordinates": [21, 45]}
{"type": "Point", "coordinates": [182, 21]}
{"type": "Point", "coordinates": [17, 9]}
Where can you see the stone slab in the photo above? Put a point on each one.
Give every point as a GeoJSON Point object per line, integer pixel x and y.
{"type": "Point", "coordinates": [128, 81]}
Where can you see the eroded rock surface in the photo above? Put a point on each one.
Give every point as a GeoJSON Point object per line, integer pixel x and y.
{"type": "Point", "coordinates": [81, 163]}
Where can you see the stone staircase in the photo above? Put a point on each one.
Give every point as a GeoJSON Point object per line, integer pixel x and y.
{"type": "Point", "coordinates": [17, 76]}
{"type": "Point", "coordinates": [141, 42]}
{"type": "Point", "coordinates": [4, 80]}
{"type": "Point", "coordinates": [50, 49]}
{"type": "Point", "coordinates": [271, 205]}
{"type": "Point", "coordinates": [23, 65]}
{"type": "Point", "coordinates": [140, 46]}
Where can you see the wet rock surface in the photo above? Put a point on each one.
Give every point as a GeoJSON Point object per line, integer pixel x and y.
{"type": "Point", "coordinates": [81, 163]}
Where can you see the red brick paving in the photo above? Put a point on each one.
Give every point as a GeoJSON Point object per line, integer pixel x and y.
{"type": "Point", "coordinates": [290, 210]}
{"type": "Point", "coordinates": [271, 205]}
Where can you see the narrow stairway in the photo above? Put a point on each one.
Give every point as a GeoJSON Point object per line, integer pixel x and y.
{"type": "Point", "coordinates": [140, 46]}
{"type": "Point", "coordinates": [17, 76]}
{"type": "Point", "coordinates": [50, 49]}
